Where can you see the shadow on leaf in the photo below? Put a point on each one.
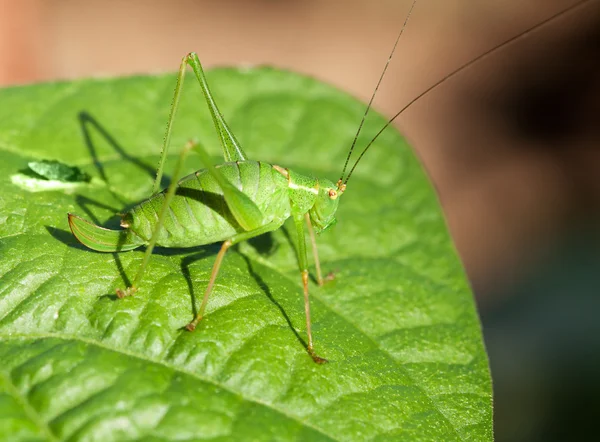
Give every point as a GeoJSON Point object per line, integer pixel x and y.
{"type": "Point", "coordinates": [66, 237]}
{"type": "Point", "coordinates": [267, 291]}
{"type": "Point", "coordinates": [87, 122]}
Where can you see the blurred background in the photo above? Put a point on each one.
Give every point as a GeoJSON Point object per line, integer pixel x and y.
{"type": "Point", "coordinates": [511, 144]}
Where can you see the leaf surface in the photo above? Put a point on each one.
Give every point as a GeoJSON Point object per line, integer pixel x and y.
{"type": "Point", "coordinates": [398, 324]}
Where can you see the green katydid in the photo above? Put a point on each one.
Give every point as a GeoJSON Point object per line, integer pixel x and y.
{"type": "Point", "coordinates": [231, 202]}
{"type": "Point", "coordinates": [234, 201]}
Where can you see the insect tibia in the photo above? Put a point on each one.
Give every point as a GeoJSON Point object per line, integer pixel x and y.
{"type": "Point", "coordinates": [101, 239]}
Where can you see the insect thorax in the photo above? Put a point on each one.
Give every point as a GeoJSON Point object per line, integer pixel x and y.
{"type": "Point", "coordinates": [317, 197]}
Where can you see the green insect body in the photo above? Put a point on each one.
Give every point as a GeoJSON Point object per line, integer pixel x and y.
{"type": "Point", "coordinates": [230, 202]}
{"type": "Point", "coordinates": [198, 213]}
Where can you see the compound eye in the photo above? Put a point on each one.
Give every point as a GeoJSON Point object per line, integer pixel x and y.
{"type": "Point", "coordinates": [332, 194]}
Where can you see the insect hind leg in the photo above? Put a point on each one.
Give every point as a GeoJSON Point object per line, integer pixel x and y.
{"type": "Point", "coordinates": [217, 266]}
{"type": "Point", "coordinates": [161, 218]}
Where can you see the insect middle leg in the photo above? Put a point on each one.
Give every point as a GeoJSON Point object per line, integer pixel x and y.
{"type": "Point", "coordinates": [313, 243]}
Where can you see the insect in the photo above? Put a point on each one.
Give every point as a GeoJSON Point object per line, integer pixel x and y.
{"type": "Point", "coordinates": [233, 201]}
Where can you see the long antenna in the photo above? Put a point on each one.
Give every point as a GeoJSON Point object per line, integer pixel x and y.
{"type": "Point", "coordinates": [460, 69]}
{"type": "Point", "coordinates": [376, 88]}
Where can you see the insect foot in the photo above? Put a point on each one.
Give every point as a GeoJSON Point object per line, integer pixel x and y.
{"type": "Point", "coordinates": [127, 292]}
{"type": "Point", "coordinates": [319, 360]}
{"type": "Point", "coordinates": [192, 325]}
{"type": "Point", "coordinates": [328, 278]}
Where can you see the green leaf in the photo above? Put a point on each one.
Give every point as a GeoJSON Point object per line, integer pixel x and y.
{"type": "Point", "coordinates": [55, 170]}
{"type": "Point", "coordinates": [398, 324]}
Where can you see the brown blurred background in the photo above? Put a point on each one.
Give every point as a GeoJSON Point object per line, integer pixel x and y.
{"type": "Point", "coordinates": [511, 143]}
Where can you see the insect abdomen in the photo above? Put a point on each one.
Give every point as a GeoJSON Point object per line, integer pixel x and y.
{"type": "Point", "coordinates": [198, 214]}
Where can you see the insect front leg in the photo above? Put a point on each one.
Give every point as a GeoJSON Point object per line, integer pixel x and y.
{"type": "Point", "coordinates": [313, 243]}
{"type": "Point", "coordinates": [303, 261]}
